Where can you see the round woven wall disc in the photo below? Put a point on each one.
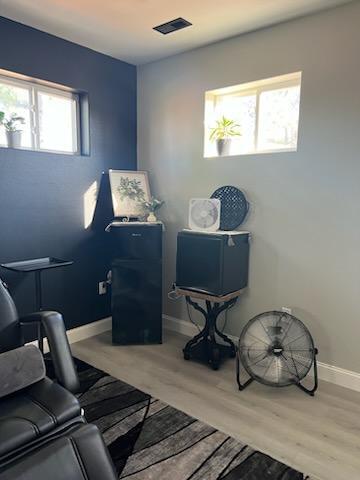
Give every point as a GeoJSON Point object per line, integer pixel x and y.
{"type": "Point", "coordinates": [234, 207]}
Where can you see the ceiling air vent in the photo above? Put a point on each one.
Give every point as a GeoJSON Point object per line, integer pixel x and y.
{"type": "Point", "coordinates": [172, 26]}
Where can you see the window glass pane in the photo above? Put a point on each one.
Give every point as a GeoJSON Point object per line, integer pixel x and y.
{"type": "Point", "coordinates": [16, 100]}
{"type": "Point", "coordinates": [210, 119]}
{"type": "Point", "coordinates": [266, 111]}
{"type": "Point", "coordinates": [57, 117]}
{"type": "Point", "coordinates": [278, 118]}
{"type": "Point", "coordinates": [241, 109]}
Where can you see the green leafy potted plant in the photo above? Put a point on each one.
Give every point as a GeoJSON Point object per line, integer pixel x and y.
{"type": "Point", "coordinates": [222, 133]}
{"type": "Point", "coordinates": [12, 130]}
{"type": "Point", "coordinates": [151, 207]}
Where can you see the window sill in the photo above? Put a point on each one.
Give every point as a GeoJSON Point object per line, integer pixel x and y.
{"type": "Point", "coordinates": [258, 152]}
{"type": "Point", "coordinates": [54, 152]}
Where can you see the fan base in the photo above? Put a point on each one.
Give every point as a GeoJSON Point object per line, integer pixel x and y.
{"type": "Point", "coordinates": [309, 391]}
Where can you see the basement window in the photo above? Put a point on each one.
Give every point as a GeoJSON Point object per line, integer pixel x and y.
{"type": "Point", "coordinates": [47, 117]}
{"type": "Point", "coordinates": [253, 118]}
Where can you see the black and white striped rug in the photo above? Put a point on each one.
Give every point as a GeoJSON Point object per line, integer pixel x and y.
{"type": "Point", "coordinates": [149, 440]}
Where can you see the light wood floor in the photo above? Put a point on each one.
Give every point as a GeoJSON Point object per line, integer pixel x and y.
{"type": "Point", "coordinates": [319, 436]}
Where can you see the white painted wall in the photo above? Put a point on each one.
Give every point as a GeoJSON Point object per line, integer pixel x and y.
{"type": "Point", "coordinates": [305, 206]}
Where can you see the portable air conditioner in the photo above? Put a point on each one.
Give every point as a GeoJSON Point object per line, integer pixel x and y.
{"type": "Point", "coordinates": [204, 214]}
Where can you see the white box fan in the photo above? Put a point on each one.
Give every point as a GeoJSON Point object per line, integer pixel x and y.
{"type": "Point", "coordinates": [204, 214]}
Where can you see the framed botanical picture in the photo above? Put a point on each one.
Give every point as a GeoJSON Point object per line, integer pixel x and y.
{"type": "Point", "coordinates": [128, 190]}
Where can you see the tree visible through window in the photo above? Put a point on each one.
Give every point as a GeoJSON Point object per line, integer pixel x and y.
{"type": "Point", "coordinates": [266, 111]}
{"type": "Point", "coordinates": [49, 116]}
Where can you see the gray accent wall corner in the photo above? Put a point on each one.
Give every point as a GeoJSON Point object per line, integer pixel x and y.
{"type": "Point", "coordinates": [304, 205]}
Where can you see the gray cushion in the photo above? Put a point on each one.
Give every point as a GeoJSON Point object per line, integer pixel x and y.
{"type": "Point", "coordinates": [20, 368]}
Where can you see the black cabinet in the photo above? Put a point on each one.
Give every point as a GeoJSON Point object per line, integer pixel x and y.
{"type": "Point", "coordinates": [136, 284]}
{"type": "Point", "coordinates": [213, 263]}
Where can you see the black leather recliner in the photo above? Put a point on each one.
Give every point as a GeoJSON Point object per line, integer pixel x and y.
{"type": "Point", "coordinates": [43, 434]}
{"type": "Point", "coordinates": [77, 454]}
{"type": "Point", "coordinates": [12, 336]}
{"type": "Point", "coordinates": [45, 406]}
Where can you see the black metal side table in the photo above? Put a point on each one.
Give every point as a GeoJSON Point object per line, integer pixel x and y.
{"type": "Point", "coordinates": [204, 345]}
{"type": "Point", "coordinates": [36, 266]}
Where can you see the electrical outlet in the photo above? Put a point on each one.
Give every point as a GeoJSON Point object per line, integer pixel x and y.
{"type": "Point", "coordinates": [286, 310]}
{"type": "Point", "coordinates": [102, 288]}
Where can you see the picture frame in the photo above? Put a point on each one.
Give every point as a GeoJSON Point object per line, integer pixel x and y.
{"type": "Point", "coordinates": [128, 189]}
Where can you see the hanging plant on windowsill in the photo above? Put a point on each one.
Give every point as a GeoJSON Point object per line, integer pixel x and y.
{"type": "Point", "coordinates": [12, 130]}
{"type": "Point", "coordinates": [223, 133]}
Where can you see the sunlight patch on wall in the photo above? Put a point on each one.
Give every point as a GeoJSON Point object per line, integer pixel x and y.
{"type": "Point", "coordinates": [90, 198]}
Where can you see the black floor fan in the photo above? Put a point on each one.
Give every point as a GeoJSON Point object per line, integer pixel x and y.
{"type": "Point", "coordinates": [276, 349]}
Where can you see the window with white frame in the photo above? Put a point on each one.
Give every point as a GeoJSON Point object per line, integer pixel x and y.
{"type": "Point", "coordinates": [256, 117]}
{"type": "Point", "coordinates": [49, 116]}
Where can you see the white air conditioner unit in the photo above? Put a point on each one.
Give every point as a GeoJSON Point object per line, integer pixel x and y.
{"type": "Point", "coordinates": [204, 214]}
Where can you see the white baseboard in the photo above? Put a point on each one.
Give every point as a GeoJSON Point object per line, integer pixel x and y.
{"type": "Point", "coordinates": [339, 376]}
{"type": "Point", "coordinates": [327, 373]}
{"type": "Point", "coordinates": [89, 330]}
{"type": "Point", "coordinates": [84, 331]}
{"type": "Point", "coordinates": [180, 326]}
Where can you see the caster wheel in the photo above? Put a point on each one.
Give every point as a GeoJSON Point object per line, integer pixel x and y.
{"type": "Point", "coordinates": [232, 354]}
{"type": "Point", "coordinates": [215, 366]}
{"type": "Point", "coordinates": [186, 356]}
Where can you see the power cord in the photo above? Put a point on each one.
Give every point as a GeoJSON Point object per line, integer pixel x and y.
{"type": "Point", "coordinates": [197, 326]}
{"type": "Point", "coordinates": [225, 321]}
{"type": "Point", "coordinates": [190, 317]}
{"type": "Point", "coordinates": [226, 317]}
{"type": "Point", "coordinates": [173, 296]}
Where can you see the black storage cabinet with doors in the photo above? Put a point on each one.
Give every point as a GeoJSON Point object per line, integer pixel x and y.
{"type": "Point", "coordinates": [213, 263]}
{"type": "Point", "coordinates": [136, 283]}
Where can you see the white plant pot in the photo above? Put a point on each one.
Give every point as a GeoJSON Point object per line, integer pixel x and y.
{"type": "Point", "coordinates": [13, 138]}
{"type": "Point", "coordinates": [223, 146]}
{"type": "Point", "coordinates": [151, 217]}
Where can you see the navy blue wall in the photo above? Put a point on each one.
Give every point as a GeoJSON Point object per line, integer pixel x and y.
{"type": "Point", "coordinates": [41, 194]}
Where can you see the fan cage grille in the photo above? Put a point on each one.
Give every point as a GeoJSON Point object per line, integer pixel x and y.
{"type": "Point", "coordinates": [204, 214]}
{"type": "Point", "coordinates": [276, 349]}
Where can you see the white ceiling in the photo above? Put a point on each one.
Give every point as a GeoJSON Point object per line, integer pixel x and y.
{"type": "Point", "coordinates": [123, 28]}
